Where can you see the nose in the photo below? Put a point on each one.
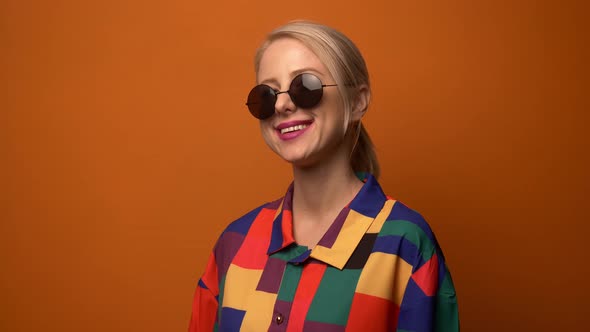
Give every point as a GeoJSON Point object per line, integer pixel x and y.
{"type": "Point", "coordinates": [284, 104]}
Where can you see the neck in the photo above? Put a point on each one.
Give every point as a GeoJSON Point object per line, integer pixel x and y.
{"type": "Point", "coordinates": [321, 191]}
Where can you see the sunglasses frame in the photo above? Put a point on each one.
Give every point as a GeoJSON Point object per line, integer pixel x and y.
{"type": "Point", "coordinates": [262, 115]}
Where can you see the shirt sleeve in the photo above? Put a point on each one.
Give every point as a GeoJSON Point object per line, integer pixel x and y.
{"type": "Point", "coordinates": [429, 303]}
{"type": "Point", "coordinates": [205, 303]}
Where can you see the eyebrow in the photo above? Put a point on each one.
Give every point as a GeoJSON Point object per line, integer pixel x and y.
{"type": "Point", "coordinates": [294, 73]}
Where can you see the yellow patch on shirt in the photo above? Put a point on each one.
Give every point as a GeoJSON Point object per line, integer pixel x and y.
{"type": "Point", "coordinates": [385, 276]}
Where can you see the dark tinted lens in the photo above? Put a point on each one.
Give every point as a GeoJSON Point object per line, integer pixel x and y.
{"type": "Point", "coordinates": [306, 90]}
{"type": "Point", "coordinates": [261, 101]}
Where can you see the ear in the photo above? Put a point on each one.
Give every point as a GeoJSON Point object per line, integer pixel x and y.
{"type": "Point", "coordinates": [361, 103]}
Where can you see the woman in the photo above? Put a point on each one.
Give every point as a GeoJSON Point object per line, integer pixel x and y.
{"type": "Point", "coordinates": [335, 253]}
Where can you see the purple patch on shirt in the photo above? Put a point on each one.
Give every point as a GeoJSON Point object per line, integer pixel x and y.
{"type": "Point", "coordinates": [228, 245]}
{"type": "Point", "coordinates": [280, 316]}
{"type": "Point", "coordinates": [330, 237]}
{"type": "Point", "coordinates": [270, 281]}
{"type": "Point", "coordinates": [274, 204]}
{"type": "Point", "coordinates": [288, 200]}
{"type": "Point", "coordinates": [322, 327]}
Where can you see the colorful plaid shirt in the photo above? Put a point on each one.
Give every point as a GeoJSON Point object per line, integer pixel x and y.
{"type": "Point", "coordinates": [377, 268]}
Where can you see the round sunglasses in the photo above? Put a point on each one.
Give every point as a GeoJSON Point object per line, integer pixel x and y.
{"type": "Point", "coordinates": [306, 91]}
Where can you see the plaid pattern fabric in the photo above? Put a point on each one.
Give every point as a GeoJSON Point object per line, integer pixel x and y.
{"type": "Point", "coordinates": [377, 268]}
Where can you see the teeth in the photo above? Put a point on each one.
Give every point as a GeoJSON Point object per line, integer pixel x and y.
{"type": "Point", "coordinates": [294, 128]}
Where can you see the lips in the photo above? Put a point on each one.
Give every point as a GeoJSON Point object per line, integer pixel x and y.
{"type": "Point", "coordinates": [291, 124]}
{"type": "Point", "coordinates": [291, 129]}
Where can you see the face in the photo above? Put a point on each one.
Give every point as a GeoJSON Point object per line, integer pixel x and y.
{"type": "Point", "coordinates": [303, 137]}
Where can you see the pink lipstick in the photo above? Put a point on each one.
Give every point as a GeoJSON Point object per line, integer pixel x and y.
{"type": "Point", "coordinates": [292, 129]}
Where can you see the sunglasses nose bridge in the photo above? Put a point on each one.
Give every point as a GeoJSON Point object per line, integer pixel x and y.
{"type": "Point", "coordinates": [284, 103]}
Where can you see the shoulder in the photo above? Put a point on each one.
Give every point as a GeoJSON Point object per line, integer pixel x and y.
{"type": "Point", "coordinates": [403, 216]}
{"type": "Point", "coordinates": [235, 233]}
{"type": "Point", "coordinates": [242, 224]}
{"type": "Point", "coordinates": [231, 239]}
{"type": "Point", "coordinates": [416, 237]}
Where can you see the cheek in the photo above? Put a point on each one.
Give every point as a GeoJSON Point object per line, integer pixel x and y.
{"type": "Point", "coordinates": [336, 120]}
{"type": "Point", "coordinates": [267, 131]}
{"type": "Point", "coordinates": [335, 112]}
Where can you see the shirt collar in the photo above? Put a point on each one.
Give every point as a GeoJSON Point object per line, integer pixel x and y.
{"type": "Point", "coordinates": [345, 233]}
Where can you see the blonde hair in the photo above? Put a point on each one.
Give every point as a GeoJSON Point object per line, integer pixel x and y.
{"type": "Point", "coordinates": [346, 65]}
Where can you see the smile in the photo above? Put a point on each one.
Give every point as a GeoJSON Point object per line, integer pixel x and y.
{"type": "Point", "coordinates": [293, 128]}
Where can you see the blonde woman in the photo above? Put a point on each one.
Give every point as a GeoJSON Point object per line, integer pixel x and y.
{"type": "Point", "coordinates": [335, 253]}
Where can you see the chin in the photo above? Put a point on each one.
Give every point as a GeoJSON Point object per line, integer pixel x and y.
{"type": "Point", "coordinates": [295, 160]}
{"type": "Point", "coordinates": [299, 160]}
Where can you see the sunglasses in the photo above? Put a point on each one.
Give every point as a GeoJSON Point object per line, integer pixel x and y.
{"type": "Point", "coordinates": [306, 91]}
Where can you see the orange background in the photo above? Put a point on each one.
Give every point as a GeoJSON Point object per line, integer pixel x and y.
{"type": "Point", "coordinates": [126, 148]}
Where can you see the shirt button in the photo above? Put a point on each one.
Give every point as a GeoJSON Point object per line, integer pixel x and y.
{"type": "Point", "coordinates": [279, 319]}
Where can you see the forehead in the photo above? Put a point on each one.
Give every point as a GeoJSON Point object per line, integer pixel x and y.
{"type": "Point", "coordinates": [285, 56]}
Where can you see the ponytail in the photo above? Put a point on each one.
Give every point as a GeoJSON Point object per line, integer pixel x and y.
{"type": "Point", "coordinates": [364, 158]}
